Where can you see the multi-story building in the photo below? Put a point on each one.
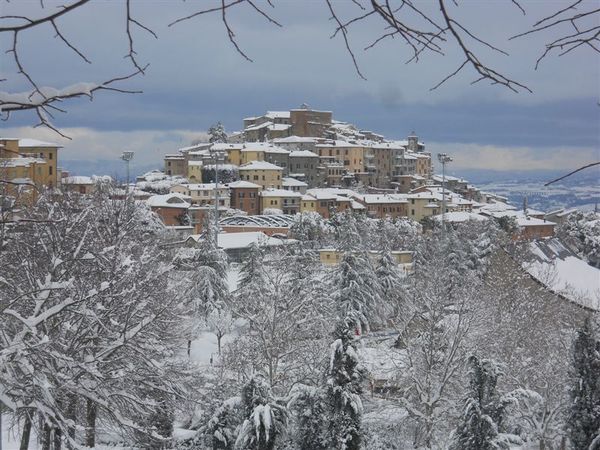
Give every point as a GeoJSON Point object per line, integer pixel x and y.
{"type": "Point", "coordinates": [379, 206]}
{"type": "Point", "coordinates": [171, 208]}
{"type": "Point", "coordinates": [286, 201]}
{"type": "Point", "coordinates": [293, 184]}
{"type": "Point", "coordinates": [244, 196]}
{"type": "Point", "coordinates": [204, 194]}
{"type": "Point", "coordinates": [176, 165]}
{"type": "Point", "coordinates": [30, 160]}
{"type": "Point", "coordinates": [351, 156]}
{"type": "Point", "coordinates": [304, 165]}
{"type": "Point", "coordinates": [263, 173]}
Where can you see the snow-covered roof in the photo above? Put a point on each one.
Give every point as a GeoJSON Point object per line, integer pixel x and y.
{"type": "Point", "coordinates": [523, 221]}
{"type": "Point", "coordinates": [380, 199]}
{"type": "Point", "coordinates": [233, 241]}
{"type": "Point", "coordinates": [200, 186]}
{"type": "Point", "coordinates": [35, 143]}
{"type": "Point", "coordinates": [287, 181]}
{"type": "Point", "coordinates": [173, 200]}
{"type": "Point", "coordinates": [278, 114]}
{"type": "Point", "coordinates": [459, 216]}
{"type": "Point", "coordinates": [243, 184]}
{"type": "Point", "coordinates": [337, 143]}
{"type": "Point", "coordinates": [259, 165]}
{"type": "Point", "coordinates": [258, 126]}
{"type": "Point", "coordinates": [559, 269]}
{"type": "Point", "coordinates": [276, 149]}
{"type": "Point", "coordinates": [77, 180]}
{"type": "Point", "coordinates": [272, 221]}
{"type": "Point", "coordinates": [303, 154]}
{"type": "Point", "coordinates": [195, 163]}
{"type": "Point", "coordinates": [295, 139]}
{"type": "Point", "coordinates": [279, 193]}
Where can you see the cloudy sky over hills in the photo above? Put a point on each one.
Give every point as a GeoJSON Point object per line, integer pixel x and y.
{"type": "Point", "coordinates": [196, 78]}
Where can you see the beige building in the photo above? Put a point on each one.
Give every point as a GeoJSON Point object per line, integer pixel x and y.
{"type": "Point", "coordinates": [265, 174]}
{"type": "Point", "coordinates": [30, 159]}
{"type": "Point", "coordinates": [194, 171]}
{"type": "Point", "coordinates": [350, 156]}
{"type": "Point", "coordinates": [175, 165]}
{"type": "Point", "coordinates": [287, 201]}
{"type": "Point", "coordinates": [204, 194]}
{"type": "Point", "coordinates": [79, 184]}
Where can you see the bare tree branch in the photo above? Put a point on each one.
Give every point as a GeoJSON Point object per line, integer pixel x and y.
{"type": "Point", "coordinates": [569, 42]}
{"type": "Point", "coordinates": [344, 30]}
{"type": "Point", "coordinates": [573, 172]}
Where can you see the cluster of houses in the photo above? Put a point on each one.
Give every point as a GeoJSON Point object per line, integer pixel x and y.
{"type": "Point", "coordinates": [284, 163]}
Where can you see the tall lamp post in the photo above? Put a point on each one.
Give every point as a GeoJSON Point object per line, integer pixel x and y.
{"type": "Point", "coordinates": [127, 156]}
{"type": "Point", "coordinates": [444, 159]}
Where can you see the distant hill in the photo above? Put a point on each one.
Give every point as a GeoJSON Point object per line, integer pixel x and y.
{"type": "Point", "coordinates": [581, 190]}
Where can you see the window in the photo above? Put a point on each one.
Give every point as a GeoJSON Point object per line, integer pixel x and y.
{"type": "Point", "coordinates": [256, 177]}
{"type": "Point", "coordinates": [50, 170]}
{"type": "Point", "coordinates": [50, 155]}
{"type": "Point", "coordinates": [412, 212]}
{"type": "Point", "coordinates": [241, 195]}
{"type": "Point", "coordinates": [278, 177]}
{"type": "Point", "coordinates": [323, 204]}
{"type": "Point", "coordinates": [263, 177]}
{"type": "Point", "coordinates": [412, 200]}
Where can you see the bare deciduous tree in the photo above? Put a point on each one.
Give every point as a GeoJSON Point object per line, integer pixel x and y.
{"type": "Point", "coordinates": [435, 28]}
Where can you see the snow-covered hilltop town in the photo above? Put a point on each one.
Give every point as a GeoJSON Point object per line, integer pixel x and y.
{"type": "Point", "coordinates": [300, 284]}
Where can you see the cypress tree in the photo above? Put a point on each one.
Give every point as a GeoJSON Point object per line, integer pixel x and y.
{"type": "Point", "coordinates": [584, 419]}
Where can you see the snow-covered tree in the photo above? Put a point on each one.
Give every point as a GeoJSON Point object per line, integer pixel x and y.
{"type": "Point", "coordinates": [87, 317]}
{"type": "Point", "coordinates": [582, 232]}
{"type": "Point", "coordinates": [584, 418]}
{"type": "Point", "coordinates": [356, 290]}
{"type": "Point", "coordinates": [224, 425]}
{"type": "Point", "coordinates": [310, 228]}
{"type": "Point", "coordinates": [220, 322]}
{"type": "Point", "coordinates": [310, 412]}
{"type": "Point", "coordinates": [265, 421]}
{"type": "Point", "coordinates": [278, 300]}
{"type": "Point", "coordinates": [216, 133]}
{"type": "Point", "coordinates": [343, 388]}
{"type": "Point", "coordinates": [483, 412]}
{"type": "Point", "coordinates": [445, 294]}
{"type": "Point", "coordinates": [395, 304]}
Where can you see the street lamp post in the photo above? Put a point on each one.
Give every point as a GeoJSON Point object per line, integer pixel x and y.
{"type": "Point", "coordinates": [444, 159]}
{"type": "Point", "coordinates": [127, 156]}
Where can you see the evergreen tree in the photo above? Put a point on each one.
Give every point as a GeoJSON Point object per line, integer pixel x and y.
{"type": "Point", "coordinates": [217, 133]}
{"type": "Point", "coordinates": [584, 419]}
{"type": "Point", "coordinates": [394, 302]}
{"type": "Point", "coordinates": [310, 407]}
{"type": "Point", "coordinates": [343, 389]}
{"type": "Point", "coordinates": [483, 411]}
{"type": "Point", "coordinates": [357, 291]}
{"type": "Point", "coordinates": [223, 426]}
{"type": "Point", "coordinates": [266, 419]}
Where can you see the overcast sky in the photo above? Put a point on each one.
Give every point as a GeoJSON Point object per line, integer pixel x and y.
{"type": "Point", "coordinates": [196, 78]}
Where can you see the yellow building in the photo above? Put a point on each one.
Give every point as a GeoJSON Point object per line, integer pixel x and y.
{"type": "Point", "coordinates": [287, 201]}
{"type": "Point", "coordinates": [34, 160]}
{"type": "Point", "coordinates": [194, 171]}
{"type": "Point", "coordinates": [351, 156]}
{"type": "Point", "coordinates": [248, 155]}
{"type": "Point", "coordinates": [423, 164]}
{"type": "Point", "coordinates": [421, 205]}
{"type": "Point", "coordinates": [265, 174]}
